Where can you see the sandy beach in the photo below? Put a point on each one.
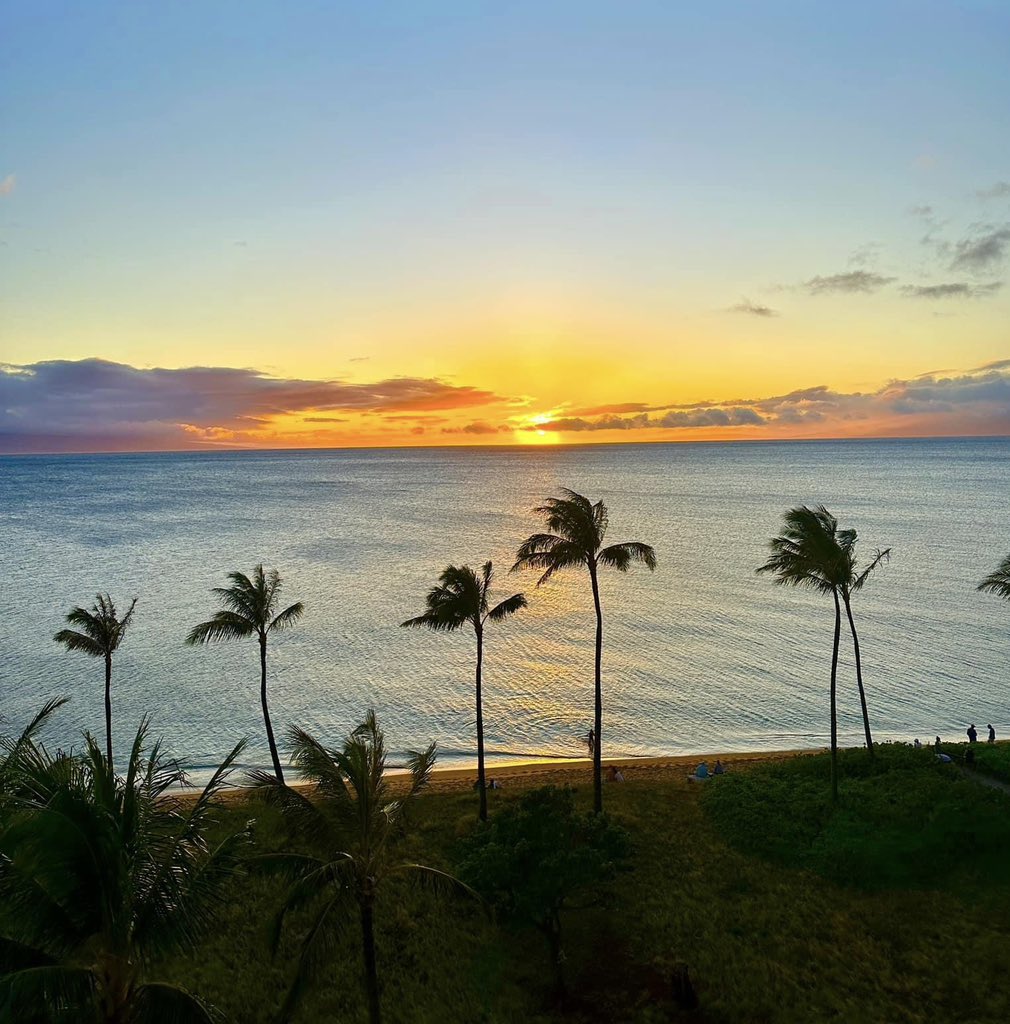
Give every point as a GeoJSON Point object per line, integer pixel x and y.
{"type": "Point", "coordinates": [571, 772]}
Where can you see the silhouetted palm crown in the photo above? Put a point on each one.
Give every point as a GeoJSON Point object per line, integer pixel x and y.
{"type": "Point", "coordinates": [462, 597]}
{"type": "Point", "coordinates": [250, 608]}
{"type": "Point", "coordinates": [811, 551]}
{"type": "Point", "coordinates": [998, 581]}
{"type": "Point", "coordinates": [577, 531]}
{"type": "Point", "coordinates": [101, 630]}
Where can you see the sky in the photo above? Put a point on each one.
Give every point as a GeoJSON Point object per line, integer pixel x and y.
{"type": "Point", "coordinates": [336, 224]}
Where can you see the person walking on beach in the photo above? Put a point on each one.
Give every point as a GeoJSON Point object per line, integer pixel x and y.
{"type": "Point", "coordinates": [972, 733]}
{"type": "Point", "coordinates": [992, 734]}
{"type": "Point", "coordinates": [591, 741]}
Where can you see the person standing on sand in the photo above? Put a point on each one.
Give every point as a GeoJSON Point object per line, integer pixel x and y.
{"type": "Point", "coordinates": [591, 741]}
{"type": "Point", "coordinates": [972, 733]}
{"type": "Point", "coordinates": [992, 734]}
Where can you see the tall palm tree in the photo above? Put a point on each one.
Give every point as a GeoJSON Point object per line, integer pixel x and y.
{"type": "Point", "coordinates": [251, 609]}
{"type": "Point", "coordinates": [998, 581]}
{"type": "Point", "coordinates": [577, 530]}
{"type": "Point", "coordinates": [353, 815]}
{"type": "Point", "coordinates": [101, 631]}
{"type": "Point", "coordinates": [461, 598]}
{"type": "Point", "coordinates": [809, 553]}
{"type": "Point", "coordinates": [855, 581]}
{"type": "Point", "coordinates": [100, 877]}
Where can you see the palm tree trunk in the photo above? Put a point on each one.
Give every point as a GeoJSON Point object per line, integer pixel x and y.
{"type": "Point", "coordinates": [834, 709]}
{"type": "Point", "coordinates": [480, 731]}
{"type": "Point", "coordinates": [371, 972]}
{"type": "Point", "coordinates": [266, 710]}
{"type": "Point", "coordinates": [108, 710]}
{"type": "Point", "coordinates": [598, 721]}
{"type": "Point", "coordinates": [859, 673]}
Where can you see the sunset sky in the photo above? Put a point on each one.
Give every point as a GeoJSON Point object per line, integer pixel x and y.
{"type": "Point", "coordinates": [313, 224]}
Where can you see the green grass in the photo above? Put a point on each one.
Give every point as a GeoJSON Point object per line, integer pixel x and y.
{"type": "Point", "coordinates": [991, 758]}
{"type": "Point", "coordinates": [893, 907]}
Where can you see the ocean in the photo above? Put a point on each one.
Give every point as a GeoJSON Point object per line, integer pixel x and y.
{"type": "Point", "coordinates": [703, 655]}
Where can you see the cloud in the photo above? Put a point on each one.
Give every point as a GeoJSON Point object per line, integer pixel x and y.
{"type": "Point", "coordinates": [851, 282]}
{"type": "Point", "coordinates": [951, 290]}
{"type": "Point", "coordinates": [999, 190]}
{"type": "Point", "coordinates": [479, 427]}
{"type": "Point", "coordinates": [970, 402]}
{"type": "Point", "coordinates": [325, 419]}
{"type": "Point", "coordinates": [94, 404]}
{"type": "Point", "coordinates": [753, 308]}
{"type": "Point", "coordinates": [983, 251]}
{"type": "Point", "coordinates": [921, 211]}
{"type": "Point", "coordinates": [8, 184]}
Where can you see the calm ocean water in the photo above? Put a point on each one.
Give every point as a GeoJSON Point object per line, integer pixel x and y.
{"type": "Point", "coordinates": [702, 655]}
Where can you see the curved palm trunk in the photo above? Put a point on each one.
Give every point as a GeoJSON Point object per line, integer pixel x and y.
{"type": "Point", "coordinates": [859, 673]}
{"type": "Point", "coordinates": [598, 722]}
{"type": "Point", "coordinates": [834, 709]}
{"type": "Point", "coordinates": [108, 709]}
{"type": "Point", "coordinates": [371, 971]}
{"type": "Point", "coordinates": [266, 710]}
{"type": "Point", "coordinates": [480, 730]}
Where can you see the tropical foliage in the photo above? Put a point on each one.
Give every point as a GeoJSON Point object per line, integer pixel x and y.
{"type": "Point", "coordinates": [100, 631]}
{"type": "Point", "coordinates": [998, 581]}
{"type": "Point", "coordinates": [352, 815]}
{"type": "Point", "coordinates": [461, 599]}
{"type": "Point", "coordinates": [252, 608]}
{"type": "Point", "coordinates": [577, 528]}
{"type": "Point", "coordinates": [537, 855]}
{"type": "Point", "coordinates": [100, 875]}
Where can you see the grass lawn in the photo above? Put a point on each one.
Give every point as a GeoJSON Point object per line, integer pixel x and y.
{"type": "Point", "coordinates": [893, 907]}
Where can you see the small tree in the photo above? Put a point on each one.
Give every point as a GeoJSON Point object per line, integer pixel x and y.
{"type": "Point", "coordinates": [536, 855]}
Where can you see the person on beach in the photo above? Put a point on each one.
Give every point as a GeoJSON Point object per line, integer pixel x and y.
{"type": "Point", "coordinates": [591, 741]}
{"type": "Point", "coordinates": [992, 734]}
{"type": "Point", "coordinates": [937, 743]}
{"type": "Point", "coordinates": [720, 768]}
{"type": "Point", "coordinates": [972, 733]}
{"type": "Point", "coordinates": [494, 784]}
{"type": "Point", "coordinates": [616, 775]}
{"type": "Point", "coordinates": [701, 772]}
{"type": "Point", "coordinates": [917, 744]}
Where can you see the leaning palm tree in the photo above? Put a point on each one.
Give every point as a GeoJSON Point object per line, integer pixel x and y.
{"type": "Point", "coordinates": [855, 581]}
{"type": "Point", "coordinates": [353, 814]}
{"type": "Point", "coordinates": [100, 878]}
{"type": "Point", "coordinates": [460, 599]}
{"type": "Point", "coordinates": [577, 529]}
{"type": "Point", "coordinates": [998, 581]}
{"type": "Point", "coordinates": [809, 553]}
{"type": "Point", "coordinates": [251, 610]}
{"type": "Point", "coordinates": [101, 631]}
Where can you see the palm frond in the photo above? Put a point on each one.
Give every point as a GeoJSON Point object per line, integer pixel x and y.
{"type": "Point", "coordinates": [225, 625]}
{"type": "Point", "coordinates": [508, 607]}
{"type": "Point", "coordinates": [288, 617]}
{"type": "Point", "coordinates": [882, 557]}
{"type": "Point", "coordinates": [439, 882]}
{"type": "Point", "coordinates": [620, 556]}
{"type": "Point", "coordinates": [998, 581]}
{"type": "Point", "coordinates": [23, 992]}
{"type": "Point", "coordinates": [162, 1003]}
{"type": "Point", "coordinates": [74, 641]}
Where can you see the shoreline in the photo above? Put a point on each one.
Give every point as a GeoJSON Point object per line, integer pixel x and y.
{"type": "Point", "coordinates": [543, 772]}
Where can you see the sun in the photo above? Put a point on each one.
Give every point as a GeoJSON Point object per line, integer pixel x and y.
{"type": "Point", "coordinates": [529, 430]}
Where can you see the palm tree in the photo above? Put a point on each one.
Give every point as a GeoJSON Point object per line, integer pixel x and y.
{"type": "Point", "coordinates": [251, 610]}
{"type": "Point", "coordinates": [354, 815]}
{"type": "Point", "coordinates": [12, 750]}
{"type": "Point", "coordinates": [100, 877]}
{"type": "Point", "coordinates": [461, 599]}
{"type": "Point", "coordinates": [855, 581]}
{"type": "Point", "coordinates": [577, 529]}
{"type": "Point", "coordinates": [100, 634]}
{"type": "Point", "coordinates": [809, 553]}
{"type": "Point", "coordinates": [998, 581]}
